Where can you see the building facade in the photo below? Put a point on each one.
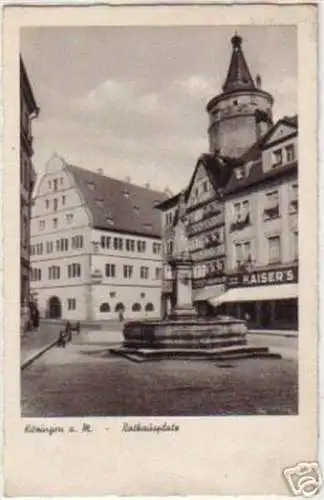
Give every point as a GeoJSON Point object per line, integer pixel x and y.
{"type": "Point", "coordinates": [28, 111]}
{"type": "Point", "coordinates": [95, 246]}
{"type": "Point", "coordinates": [242, 207]}
{"type": "Point", "coordinates": [261, 214]}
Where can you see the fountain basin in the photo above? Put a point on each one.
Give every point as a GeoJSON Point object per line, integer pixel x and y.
{"type": "Point", "coordinates": [222, 337]}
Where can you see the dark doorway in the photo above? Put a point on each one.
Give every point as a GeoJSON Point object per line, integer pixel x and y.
{"type": "Point", "coordinates": [265, 314]}
{"type": "Point", "coordinates": [55, 308]}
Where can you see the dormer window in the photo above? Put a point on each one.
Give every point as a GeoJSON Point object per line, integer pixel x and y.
{"type": "Point", "coordinates": [99, 202]}
{"type": "Point", "coordinates": [126, 193]}
{"type": "Point", "coordinates": [277, 158]}
{"type": "Point", "coordinates": [239, 173]}
{"type": "Point", "coordinates": [290, 153]}
{"type": "Point", "coordinates": [110, 221]}
{"type": "Point", "coordinates": [91, 186]}
{"type": "Point", "coordinates": [136, 209]}
{"type": "Point", "coordinates": [148, 226]}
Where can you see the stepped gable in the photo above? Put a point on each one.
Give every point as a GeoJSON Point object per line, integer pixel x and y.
{"type": "Point", "coordinates": [116, 205]}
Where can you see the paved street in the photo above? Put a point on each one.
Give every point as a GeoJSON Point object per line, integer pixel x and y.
{"type": "Point", "coordinates": [32, 342]}
{"type": "Point", "coordinates": [85, 380]}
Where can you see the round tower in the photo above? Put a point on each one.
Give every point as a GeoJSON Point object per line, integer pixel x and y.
{"type": "Point", "coordinates": [242, 113]}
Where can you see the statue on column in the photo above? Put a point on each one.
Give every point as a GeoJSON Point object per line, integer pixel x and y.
{"type": "Point", "coordinates": [181, 242]}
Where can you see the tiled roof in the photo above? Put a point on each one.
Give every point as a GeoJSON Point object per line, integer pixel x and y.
{"type": "Point", "coordinates": [168, 202]}
{"type": "Point", "coordinates": [256, 175]}
{"type": "Point", "coordinates": [219, 168]}
{"type": "Point", "coordinates": [116, 205]}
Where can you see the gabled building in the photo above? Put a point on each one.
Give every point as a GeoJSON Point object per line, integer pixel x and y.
{"type": "Point", "coordinates": [28, 111]}
{"type": "Point", "coordinates": [95, 246]}
{"type": "Point", "coordinates": [242, 206]}
{"type": "Point", "coordinates": [261, 214]}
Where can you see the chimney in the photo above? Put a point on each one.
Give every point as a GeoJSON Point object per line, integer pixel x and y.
{"type": "Point", "coordinates": [258, 81]}
{"type": "Point", "coordinates": [100, 171]}
{"type": "Point", "coordinates": [147, 185]}
{"type": "Point", "coordinates": [127, 179]}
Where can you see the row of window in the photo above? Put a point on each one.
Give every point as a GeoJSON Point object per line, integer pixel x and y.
{"type": "Point", "coordinates": [42, 223]}
{"type": "Point", "coordinates": [128, 271]}
{"type": "Point", "coordinates": [202, 270]}
{"type": "Point", "coordinates": [242, 214]}
{"type": "Point", "coordinates": [54, 183]}
{"type": "Point", "coordinates": [214, 238]}
{"type": "Point", "coordinates": [55, 203]}
{"type": "Point", "coordinates": [129, 245]}
{"type": "Point", "coordinates": [61, 245]}
{"type": "Point", "coordinates": [74, 271]}
{"type": "Point", "coordinates": [136, 307]}
{"type": "Point", "coordinates": [243, 250]}
{"type": "Point", "coordinates": [54, 272]}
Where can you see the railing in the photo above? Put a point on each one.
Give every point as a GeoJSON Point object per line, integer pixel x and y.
{"type": "Point", "coordinates": [240, 224]}
{"type": "Point", "coordinates": [271, 213]}
{"type": "Point", "coordinates": [206, 223]}
{"type": "Point", "coordinates": [209, 280]}
{"type": "Point", "coordinates": [214, 251]}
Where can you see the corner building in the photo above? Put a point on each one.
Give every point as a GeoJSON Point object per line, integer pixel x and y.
{"type": "Point", "coordinates": [242, 207]}
{"type": "Point", "coordinates": [28, 112]}
{"type": "Point", "coordinates": [95, 246]}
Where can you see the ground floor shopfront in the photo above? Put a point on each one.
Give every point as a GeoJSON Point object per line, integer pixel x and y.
{"type": "Point", "coordinates": [266, 314]}
{"type": "Point", "coordinates": [266, 299]}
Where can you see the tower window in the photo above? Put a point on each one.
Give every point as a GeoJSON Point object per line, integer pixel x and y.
{"type": "Point", "coordinates": [235, 102]}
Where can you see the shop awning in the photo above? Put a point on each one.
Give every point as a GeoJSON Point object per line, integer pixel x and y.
{"type": "Point", "coordinates": [287, 291]}
{"type": "Point", "coordinates": [211, 292]}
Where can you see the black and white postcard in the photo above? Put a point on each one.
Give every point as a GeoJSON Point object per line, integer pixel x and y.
{"type": "Point", "coordinates": [160, 229]}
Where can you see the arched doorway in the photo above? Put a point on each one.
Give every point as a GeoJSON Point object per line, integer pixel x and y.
{"type": "Point", "coordinates": [54, 308]}
{"type": "Point", "coordinates": [120, 310]}
{"type": "Point", "coordinates": [105, 307]}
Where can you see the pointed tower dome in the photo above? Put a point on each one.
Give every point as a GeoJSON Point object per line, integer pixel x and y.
{"type": "Point", "coordinates": [242, 113]}
{"type": "Point", "coordinates": [238, 75]}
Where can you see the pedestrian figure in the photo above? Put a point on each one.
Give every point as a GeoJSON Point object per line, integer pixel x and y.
{"type": "Point", "coordinates": [121, 316]}
{"type": "Point", "coordinates": [62, 339]}
{"type": "Point", "coordinates": [78, 327]}
{"type": "Point", "coordinates": [68, 331]}
{"type": "Point", "coordinates": [34, 315]}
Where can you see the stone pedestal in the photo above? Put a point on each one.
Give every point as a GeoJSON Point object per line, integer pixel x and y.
{"type": "Point", "coordinates": [182, 283]}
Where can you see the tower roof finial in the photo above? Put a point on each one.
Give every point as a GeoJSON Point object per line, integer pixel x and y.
{"type": "Point", "coordinates": [236, 40]}
{"type": "Point", "coordinates": [238, 75]}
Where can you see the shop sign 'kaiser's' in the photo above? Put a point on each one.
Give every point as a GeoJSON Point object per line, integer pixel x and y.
{"type": "Point", "coordinates": [261, 278]}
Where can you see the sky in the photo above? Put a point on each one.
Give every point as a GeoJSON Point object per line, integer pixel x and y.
{"type": "Point", "coordinates": [131, 100]}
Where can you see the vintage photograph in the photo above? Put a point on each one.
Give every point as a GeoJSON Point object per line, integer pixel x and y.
{"type": "Point", "coordinates": [159, 221]}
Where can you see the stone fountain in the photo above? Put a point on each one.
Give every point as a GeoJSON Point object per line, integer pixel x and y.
{"type": "Point", "coordinates": [184, 334]}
